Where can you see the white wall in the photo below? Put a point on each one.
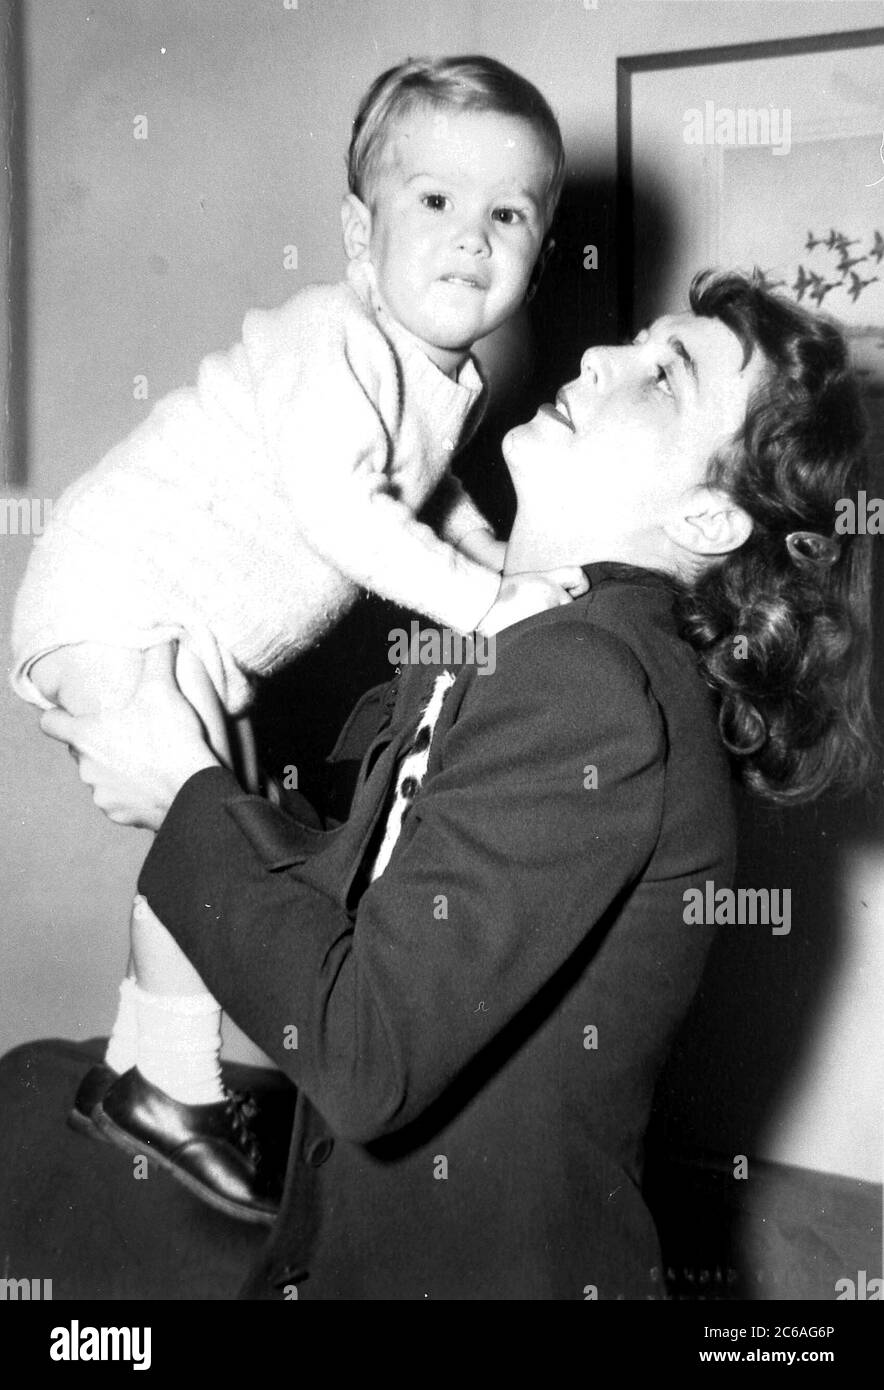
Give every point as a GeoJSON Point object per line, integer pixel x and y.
{"type": "Point", "coordinates": [145, 254]}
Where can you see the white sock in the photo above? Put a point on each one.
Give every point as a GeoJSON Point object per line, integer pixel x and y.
{"type": "Point", "coordinates": [179, 1045]}
{"type": "Point", "coordinates": [122, 1046]}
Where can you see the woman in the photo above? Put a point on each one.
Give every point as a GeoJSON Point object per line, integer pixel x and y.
{"type": "Point", "coordinates": [482, 969]}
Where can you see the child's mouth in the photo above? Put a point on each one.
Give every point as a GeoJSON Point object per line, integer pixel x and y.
{"type": "Point", "coordinates": [467, 280]}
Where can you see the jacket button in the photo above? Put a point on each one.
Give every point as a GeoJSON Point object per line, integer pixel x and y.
{"type": "Point", "coordinates": [319, 1151]}
{"type": "Point", "coordinates": [289, 1274]}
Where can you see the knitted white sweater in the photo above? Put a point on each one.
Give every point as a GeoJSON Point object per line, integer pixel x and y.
{"type": "Point", "coordinates": [243, 514]}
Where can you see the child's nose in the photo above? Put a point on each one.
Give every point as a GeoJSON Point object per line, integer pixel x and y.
{"type": "Point", "coordinates": [472, 238]}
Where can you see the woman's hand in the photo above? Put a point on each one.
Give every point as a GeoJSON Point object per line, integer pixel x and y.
{"type": "Point", "coordinates": [137, 759]}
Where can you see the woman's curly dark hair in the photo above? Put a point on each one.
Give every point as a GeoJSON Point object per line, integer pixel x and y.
{"type": "Point", "coordinates": [785, 641]}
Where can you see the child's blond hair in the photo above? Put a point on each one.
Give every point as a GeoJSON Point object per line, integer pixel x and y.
{"type": "Point", "coordinates": [471, 83]}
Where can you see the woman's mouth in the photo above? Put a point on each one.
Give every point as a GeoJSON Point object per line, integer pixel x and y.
{"type": "Point", "coordinates": [559, 415]}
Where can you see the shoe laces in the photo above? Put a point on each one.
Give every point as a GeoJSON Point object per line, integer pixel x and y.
{"type": "Point", "coordinates": [243, 1109]}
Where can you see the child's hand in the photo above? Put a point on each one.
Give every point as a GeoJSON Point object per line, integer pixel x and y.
{"type": "Point", "coordinates": [571, 577]}
{"type": "Point", "coordinates": [520, 596]}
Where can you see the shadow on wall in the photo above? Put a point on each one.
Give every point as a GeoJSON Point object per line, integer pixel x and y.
{"type": "Point", "coordinates": [764, 996]}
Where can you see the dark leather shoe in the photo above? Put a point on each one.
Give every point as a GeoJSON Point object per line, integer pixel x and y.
{"type": "Point", "coordinates": [90, 1094]}
{"type": "Point", "coordinates": [210, 1149]}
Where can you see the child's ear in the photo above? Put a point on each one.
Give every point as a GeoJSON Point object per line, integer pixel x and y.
{"type": "Point", "coordinates": [356, 226]}
{"type": "Point", "coordinates": [546, 251]}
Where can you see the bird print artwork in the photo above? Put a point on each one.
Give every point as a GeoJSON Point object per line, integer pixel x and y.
{"type": "Point", "coordinates": [840, 272]}
{"type": "Point", "coordinates": [857, 285]}
{"type": "Point", "coordinates": [828, 268]}
{"type": "Point", "coordinates": [802, 280]}
{"type": "Point", "coordinates": [841, 244]}
{"type": "Point", "coordinates": [821, 288]}
{"type": "Point", "coordinates": [767, 283]}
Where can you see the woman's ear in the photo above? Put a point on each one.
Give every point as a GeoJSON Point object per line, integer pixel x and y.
{"type": "Point", "coordinates": [546, 251]}
{"type": "Point", "coordinates": [356, 227]}
{"type": "Point", "coordinates": [710, 523]}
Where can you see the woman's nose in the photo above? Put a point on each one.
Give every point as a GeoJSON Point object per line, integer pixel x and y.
{"type": "Point", "coordinates": [592, 365]}
{"type": "Point", "coordinates": [607, 365]}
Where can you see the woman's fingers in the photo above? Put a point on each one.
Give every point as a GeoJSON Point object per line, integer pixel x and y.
{"type": "Point", "coordinates": [159, 663]}
{"type": "Point", "coordinates": [136, 758]}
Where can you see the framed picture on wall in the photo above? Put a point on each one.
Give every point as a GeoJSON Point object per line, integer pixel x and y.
{"type": "Point", "coordinates": [767, 155]}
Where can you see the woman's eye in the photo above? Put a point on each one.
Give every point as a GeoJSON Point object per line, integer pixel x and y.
{"type": "Point", "coordinates": [508, 216]}
{"type": "Point", "coordinates": [434, 201]}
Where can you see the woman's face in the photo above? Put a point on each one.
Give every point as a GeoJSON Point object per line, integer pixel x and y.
{"type": "Point", "coordinates": [626, 448]}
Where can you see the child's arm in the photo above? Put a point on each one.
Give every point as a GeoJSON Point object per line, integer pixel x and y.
{"type": "Point", "coordinates": [328, 396]}
{"type": "Point", "coordinates": [373, 538]}
{"type": "Point", "coordinates": [483, 546]}
{"type": "Point", "coordinates": [463, 525]}
{"type": "Point", "coordinates": [404, 560]}
{"type": "Point", "coordinates": [329, 416]}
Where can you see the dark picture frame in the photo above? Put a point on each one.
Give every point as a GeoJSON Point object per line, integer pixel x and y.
{"type": "Point", "coordinates": [702, 64]}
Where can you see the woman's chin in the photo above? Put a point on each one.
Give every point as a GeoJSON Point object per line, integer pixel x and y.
{"type": "Point", "coordinates": [521, 448]}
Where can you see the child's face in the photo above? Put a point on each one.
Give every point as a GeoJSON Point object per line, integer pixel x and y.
{"type": "Point", "coordinates": [457, 223]}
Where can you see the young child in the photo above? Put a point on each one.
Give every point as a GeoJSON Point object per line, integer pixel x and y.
{"type": "Point", "coordinates": [242, 517]}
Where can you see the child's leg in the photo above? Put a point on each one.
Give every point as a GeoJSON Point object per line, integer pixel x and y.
{"type": "Point", "coordinates": [161, 966]}
{"type": "Point", "coordinates": [168, 1012]}
{"type": "Point", "coordinates": [84, 679]}
{"type": "Point", "coordinates": [179, 1047]}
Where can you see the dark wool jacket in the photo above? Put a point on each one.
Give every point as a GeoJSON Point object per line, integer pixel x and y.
{"type": "Point", "coordinates": [479, 1031]}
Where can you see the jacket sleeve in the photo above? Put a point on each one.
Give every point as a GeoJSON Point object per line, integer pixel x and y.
{"type": "Point", "coordinates": [509, 859]}
{"type": "Point", "coordinates": [330, 416]}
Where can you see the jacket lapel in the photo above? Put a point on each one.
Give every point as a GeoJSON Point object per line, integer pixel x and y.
{"type": "Point", "coordinates": [334, 868]}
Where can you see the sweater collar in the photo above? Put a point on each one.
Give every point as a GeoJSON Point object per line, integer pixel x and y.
{"type": "Point", "coordinates": [464, 389]}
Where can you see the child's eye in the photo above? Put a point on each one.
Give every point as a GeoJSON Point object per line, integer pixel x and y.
{"type": "Point", "coordinates": [508, 216]}
{"type": "Point", "coordinates": [436, 202]}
